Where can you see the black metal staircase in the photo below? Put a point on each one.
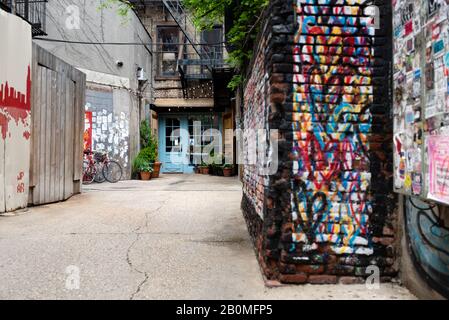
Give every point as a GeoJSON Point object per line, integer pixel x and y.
{"type": "Point", "coordinates": [200, 53]}
{"type": "Point", "coordinates": [32, 11]}
{"type": "Point", "coordinates": [201, 63]}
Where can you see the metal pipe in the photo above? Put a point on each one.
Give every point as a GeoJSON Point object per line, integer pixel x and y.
{"type": "Point", "coordinates": [27, 9]}
{"type": "Point", "coordinates": [13, 7]}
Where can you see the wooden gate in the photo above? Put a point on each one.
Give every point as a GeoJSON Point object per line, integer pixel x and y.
{"type": "Point", "coordinates": [58, 100]}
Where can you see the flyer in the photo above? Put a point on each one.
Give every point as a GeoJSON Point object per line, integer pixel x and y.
{"type": "Point", "coordinates": [439, 168]}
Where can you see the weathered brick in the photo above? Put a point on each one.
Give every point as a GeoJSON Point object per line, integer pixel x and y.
{"type": "Point", "coordinates": [322, 279]}
{"type": "Point", "coordinates": [293, 278]}
{"type": "Point", "coordinates": [273, 284]}
{"type": "Point", "coordinates": [340, 169]}
{"type": "Point", "coordinates": [351, 280]}
{"type": "Point", "coordinates": [310, 269]}
{"type": "Point", "coordinates": [386, 241]}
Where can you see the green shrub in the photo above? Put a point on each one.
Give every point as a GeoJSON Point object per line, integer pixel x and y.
{"type": "Point", "coordinates": [148, 143]}
{"type": "Point", "coordinates": [139, 163]}
{"type": "Point", "coordinates": [145, 134]}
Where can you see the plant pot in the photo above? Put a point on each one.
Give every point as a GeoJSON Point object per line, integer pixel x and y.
{"type": "Point", "coordinates": [157, 169]}
{"type": "Point", "coordinates": [227, 172]}
{"type": "Point", "coordinates": [205, 170]}
{"type": "Point", "coordinates": [145, 176]}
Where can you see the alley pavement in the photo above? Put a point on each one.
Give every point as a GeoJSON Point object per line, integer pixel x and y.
{"type": "Point", "coordinates": [177, 237]}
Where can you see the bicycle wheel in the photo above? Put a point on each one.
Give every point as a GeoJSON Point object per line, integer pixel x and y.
{"type": "Point", "coordinates": [89, 172]}
{"type": "Point", "coordinates": [99, 177]}
{"type": "Point", "coordinates": [112, 171]}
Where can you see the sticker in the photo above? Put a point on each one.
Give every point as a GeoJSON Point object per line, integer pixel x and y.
{"type": "Point", "coordinates": [432, 7]}
{"type": "Point", "coordinates": [408, 181]}
{"type": "Point", "coordinates": [408, 28]}
{"type": "Point", "coordinates": [438, 147]}
{"type": "Point", "coordinates": [438, 47]}
{"type": "Point", "coordinates": [416, 184]}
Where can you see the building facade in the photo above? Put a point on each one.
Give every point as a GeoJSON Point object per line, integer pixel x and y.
{"type": "Point", "coordinates": [188, 68]}
{"type": "Point", "coordinates": [116, 55]}
{"type": "Point", "coordinates": [320, 76]}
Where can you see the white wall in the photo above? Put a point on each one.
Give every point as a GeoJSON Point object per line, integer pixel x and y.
{"type": "Point", "coordinates": [15, 111]}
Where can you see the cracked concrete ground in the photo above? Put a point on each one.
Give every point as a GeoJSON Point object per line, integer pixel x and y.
{"type": "Point", "coordinates": [177, 237]}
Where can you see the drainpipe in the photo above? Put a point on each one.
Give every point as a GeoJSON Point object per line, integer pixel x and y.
{"type": "Point", "coordinates": [13, 7]}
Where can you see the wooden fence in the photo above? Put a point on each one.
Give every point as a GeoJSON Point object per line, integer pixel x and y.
{"type": "Point", "coordinates": [58, 100]}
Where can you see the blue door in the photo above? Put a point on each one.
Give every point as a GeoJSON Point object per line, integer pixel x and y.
{"type": "Point", "coordinates": [173, 144]}
{"type": "Point", "coordinates": [176, 135]}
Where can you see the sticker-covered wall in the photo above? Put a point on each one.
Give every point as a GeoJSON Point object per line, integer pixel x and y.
{"type": "Point", "coordinates": [108, 125]}
{"type": "Point", "coordinates": [421, 132]}
{"type": "Point", "coordinates": [15, 111]}
{"type": "Point", "coordinates": [421, 105]}
{"type": "Point", "coordinates": [329, 212]}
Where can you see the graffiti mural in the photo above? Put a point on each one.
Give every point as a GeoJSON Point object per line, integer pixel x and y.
{"type": "Point", "coordinates": [333, 92]}
{"type": "Point", "coordinates": [15, 111]}
{"type": "Point", "coordinates": [429, 241]}
{"type": "Point", "coordinates": [15, 106]}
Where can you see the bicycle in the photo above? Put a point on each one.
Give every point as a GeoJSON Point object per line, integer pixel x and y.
{"type": "Point", "coordinates": [107, 169]}
{"type": "Point", "coordinates": [89, 167]}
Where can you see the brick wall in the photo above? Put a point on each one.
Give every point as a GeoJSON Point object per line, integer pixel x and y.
{"type": "Point", "coordinates": [255, 118]}
{"type": "Point", "coordinates": [321, 75]}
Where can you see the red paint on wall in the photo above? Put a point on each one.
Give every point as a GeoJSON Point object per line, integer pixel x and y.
{"type": "Point", "coordinates": [14, 105]}
{"type": "Point", "coordinates": [88, 131]}
{"type": "Point", "coordinates": [20, 183]}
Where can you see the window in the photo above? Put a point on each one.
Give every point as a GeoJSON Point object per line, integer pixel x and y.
{"type": "Point", "coordinates": [197, 134]}
{"type": "Point", "coordinates": [168, 39]}
{"type": "Point", "coordinates": [172, 144]}
{"type": "Point", "coordinates": [214, 37]}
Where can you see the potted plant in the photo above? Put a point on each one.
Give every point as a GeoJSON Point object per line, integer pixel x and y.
{"type": "Point", "coordinates": [145, 172]}
{"type": "Point", "coordinates": [216, 169]}
{"type": "Point", "coordinates": [149, 145]}
{"type": "Point", "coordinates": [142, 166]}
{"type": "Point", "coordinates": [204, 168]}
{"type": "Point", "coordinates": [228, 170]}
{"type": "Point", "coordinates": [154, 155]}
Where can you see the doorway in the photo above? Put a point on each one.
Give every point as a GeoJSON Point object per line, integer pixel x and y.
{"type": "Point", "coordinates": [177, 136]}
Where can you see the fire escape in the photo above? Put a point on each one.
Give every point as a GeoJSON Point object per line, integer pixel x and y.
{"type": "Point", "coordinates": [32, 11]}
{"type": "Point", "coordinates": [200, 62]}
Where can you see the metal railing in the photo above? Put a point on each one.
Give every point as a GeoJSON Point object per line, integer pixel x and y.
{"type": "Point", "coordinates": [197, 59]}
{"type": "Point", "coordinates": [182, 18]}
{"type": "Point", "coordinates": [195, 67]}
{"type": "Point", "coordinates": [33, 11]}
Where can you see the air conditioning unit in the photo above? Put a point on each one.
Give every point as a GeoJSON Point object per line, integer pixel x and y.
{"type": "Point", "coordinates": [141, 75]}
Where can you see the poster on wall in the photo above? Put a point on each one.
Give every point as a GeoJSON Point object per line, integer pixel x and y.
{"type": "Point", "coordinates": [15, 111]}
{"type": "Point", "coordinates": [439, 168]}
{"type": "Point", "coordinates": [87, 137]}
